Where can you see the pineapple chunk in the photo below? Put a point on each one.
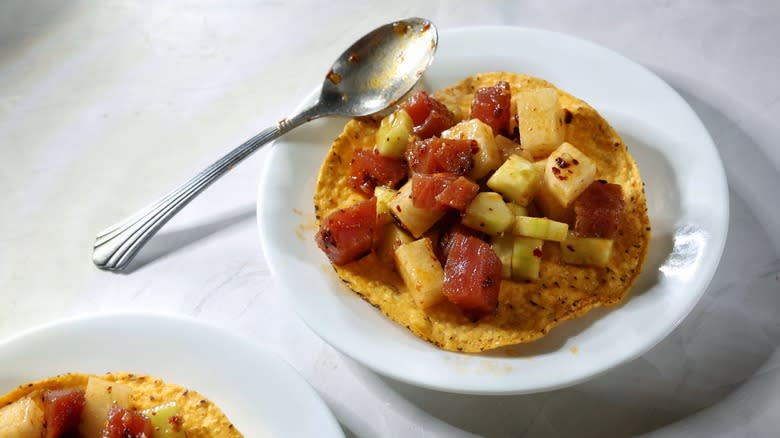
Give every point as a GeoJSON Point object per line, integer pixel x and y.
{"type": "Point", "coordinates": [415, 220]}
{"type": "Point", "coordinates": [517, 179]}
{"type": "Point", "coordinates": [507, 148]}
{"type": "Point", "coordinates": [503, 247]}
{"type": "Point", "coordinates": [391, 238]}
{"type": "Point", "coordinates": [550, 207]}
{"type": "Point", "coordinates": [488, 213]}
{"type": "Point", "coordinates": [392, 137]}
{"type": "Point", "coordinates": [99, 396]}
{"type": "Point", "coordinates": [540, 121]}
{"type": "Point", "coordinates": [22, 419]}
{"type": "Point", "coordinates": [589, 251]}
{"type": "Point", "coordinates": [383, 197]}
{"type": "Point", "coordinates": [487, 158]}
{"type": "Point", "coordinates": [526, 258]}
{"type": "Point", "coordinates": [540, 166]}
{"type": "Point", "coordinates": [421, 271]}
{"type": "Point", "coordinates": [568, 173]}
{"type": "Point", "coordinates": [540, 228]}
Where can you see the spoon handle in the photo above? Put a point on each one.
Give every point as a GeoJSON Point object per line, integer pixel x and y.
{"type": "Point", "coordinates": [116, 246]}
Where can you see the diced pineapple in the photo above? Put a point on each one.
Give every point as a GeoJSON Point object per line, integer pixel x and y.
{"type": "Point", "coordinates": [540, 228]}
{"type": "Point", "coordinates": [526, 258]}
{"type": "Point", "coordinates": [503, 247]}
{"type": "Point", "coordinates": [540, 166]}
{"type": "Point", "coordinates": [383, 197]}
{"type": "Point", "coordinates": [415, 220]}
{"type": "Point", "coordinates": [488, 213]}
{"type": "Point", "coordinates": [517, 210]}
{"type": "Point", "coordinates": [540, 121]}
{"type": "Point", "coordinates": [487, 158]}
{"type": "Point", "coordinates": [99, 396]}
{"type": "Point", "coordinates": [517, 179]}
{"type": "Point", "coordinates": [22, 419]}
{"type": "Point", "coordinates": [421, 271]}
{"type": "Point", "coordinates": [568, 173]}
{"type": "Point", "coordinates": [550, 207]}
{"type": "Point", "coordinates": [507, 148]}
{"type": "Point", "coordinates": [391, 237]}
{"type": "Point", "coordinates": [392, 137]}
{"type": "Point", "coordinates": [589, 251]}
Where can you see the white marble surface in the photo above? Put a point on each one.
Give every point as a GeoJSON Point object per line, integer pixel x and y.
{"type": "Point", "coordinates": [106, 105]}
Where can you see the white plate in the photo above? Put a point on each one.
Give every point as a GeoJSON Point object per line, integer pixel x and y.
{"type": "Point", "coordinates": [259, 392]}
{"type": "Point", "coordinates": [687, 198]}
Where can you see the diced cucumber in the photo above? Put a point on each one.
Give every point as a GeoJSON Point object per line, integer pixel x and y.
{"type": "Point", "coordinates": [588, 251]}
{"type": "Point", "coordinates": [391, 238]}
{"type": "Point", "coordinates": [421, 271]}
{"type": "Point", "coordinates": [503, 247]}
{"type": "Point", "coordinates": [526, 258]}
{"type": "Point", "coordinates": [517, 210]}
{"type": "Point", "coordinates": [540, 228]}
{"type": "Point", "coordinates": [415, 220]}
{"type": "Point", "coordinates": [160, 417]}
{"type": "Point", "coordinates": [383, 197]}
{"type": "Point", "coordinates": [392, 137]}
{"type": "Point", "coordinates": [488, 213]}
{"type": "Point", "coordinates": [517, 179]}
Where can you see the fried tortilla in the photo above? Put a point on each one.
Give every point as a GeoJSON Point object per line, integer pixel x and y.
{"type": "Point", "coordinates": [527, 310]}
{"type": "Point", "coordinates": [200, 418]}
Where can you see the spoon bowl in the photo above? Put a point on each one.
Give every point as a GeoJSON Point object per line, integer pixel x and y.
{"type": "Point", "coordinates": [379, 69]}
{"type": "Point", "coordinates": [371, 76]}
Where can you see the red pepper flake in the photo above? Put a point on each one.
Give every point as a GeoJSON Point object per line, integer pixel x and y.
{"type": "Point", "coordinates": [426, 26]}
{"type": "Point", "coordinates": [398, 208]}
{"type": "Point", "coordinates": [574, 160]}
{"type": "Point", "coordinates": [556, 171]}
{"type": "Point", "coordinates": [561, 162]}
{"type": "Point", "coordinates": [562, 177]}
{"type": "Point", "coordinates": [353, 58]}
{"type": "Point", "coordinates": [537, 252]}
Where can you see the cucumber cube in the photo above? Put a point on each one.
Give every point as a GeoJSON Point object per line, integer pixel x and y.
{"type": "Point", "coordinates": [488, 213]}
{"type": "Point", "coordinates": [526, 258]}
{"type": "Point", "coordinates": [540, 228]}
{"type": "Point", "coordinates": [588, 251]}
{"type": "Point", "coordinates": [517, 179]}
{"type": "Point", "coordinates": [392, 137]}
{"type": "Point", "coordinates": [503, 247]}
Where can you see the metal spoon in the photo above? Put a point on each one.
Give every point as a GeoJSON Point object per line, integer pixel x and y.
{"type": "Point", "coordinates": [372, 75]}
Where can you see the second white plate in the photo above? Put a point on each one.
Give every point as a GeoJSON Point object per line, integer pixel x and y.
{"type": "Point", "coordinates": [687, 198]}
{"type": "Point", "coordinates": [258, 391]}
